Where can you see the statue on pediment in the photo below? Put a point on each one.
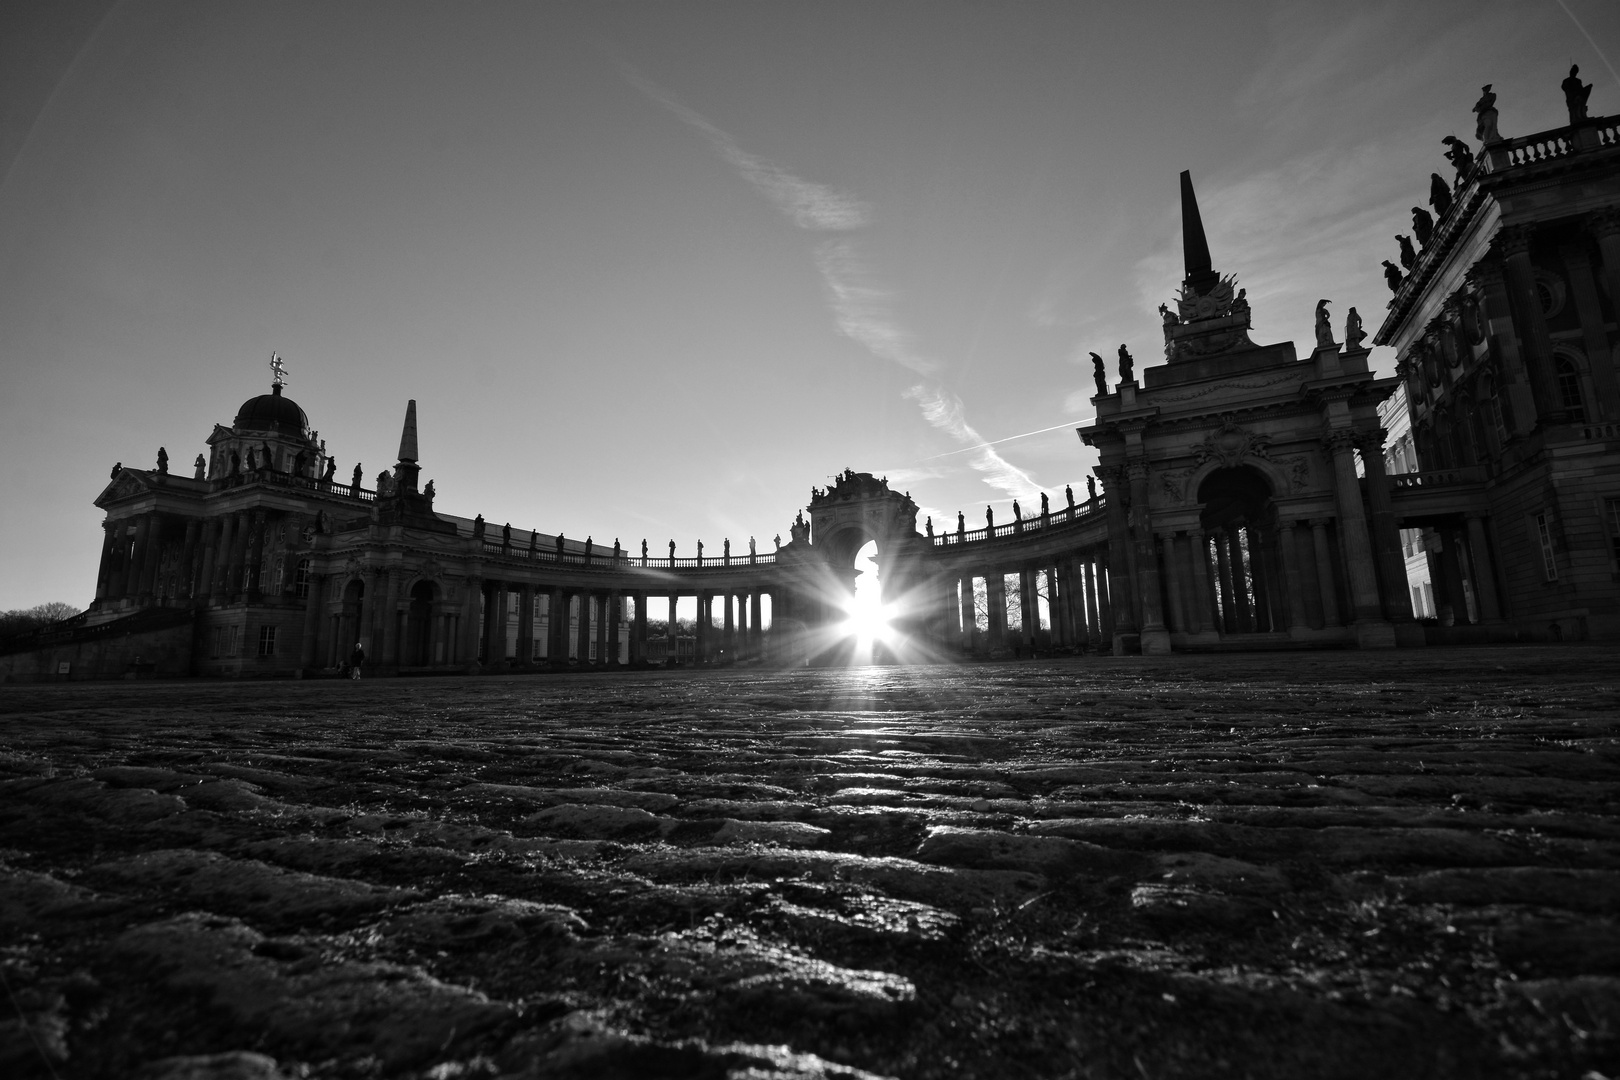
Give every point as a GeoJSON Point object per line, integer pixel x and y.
{"type": "Point", "coordinates": [200, 467]}
{"type": "Point", "coordinates": [1127, 366]}
{"type": "Point", "coordinates": [163, 461]}
{"type": "Point", "coordinates": [1422, 226]}
{"type": "Point", "coordinates": [1392, 275]}
{"type": "Point", "coordinates": [1408, 252]}
{"type": "Point", "coordinates": [1439, 195]}
{"type": "Point", "coordinates": [1324, 329]}
{"type": "Point", "coordinates": [1457, 152]}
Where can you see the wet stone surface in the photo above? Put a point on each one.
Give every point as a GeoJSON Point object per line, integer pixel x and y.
{"type": "Point", "coordinates": [1331, 865]}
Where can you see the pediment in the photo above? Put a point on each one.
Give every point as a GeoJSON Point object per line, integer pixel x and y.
{"type": "Point", "coordinates": [128, 483]}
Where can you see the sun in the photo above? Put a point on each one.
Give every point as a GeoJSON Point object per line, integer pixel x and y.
{"type": "Point", "coordinates": [867, 615]}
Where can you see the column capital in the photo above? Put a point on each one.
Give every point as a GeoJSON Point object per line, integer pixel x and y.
{"type": "Point", "coordinates": [1339, 440]}
{"type": "Point", "coordinates": [1605, 222]}
{"type": "Point", "coordinates": [1514, 240]}
{"type": "Point", "coordinates": [1485, 275]}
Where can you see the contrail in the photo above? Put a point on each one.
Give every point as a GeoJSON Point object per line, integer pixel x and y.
{"type": "Point", "coordinates": [1589, 41]}
{"type": "Point", "coordinates": [1010, 438]}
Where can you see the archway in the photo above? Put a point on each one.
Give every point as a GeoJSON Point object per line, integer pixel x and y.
{"type": "Point", "coordinates": [1239, 521]}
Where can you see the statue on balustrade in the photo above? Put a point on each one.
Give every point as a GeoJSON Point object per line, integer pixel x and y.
{"type": "Point", "coordinates": [1575, 95]}
{"type": "Point", "coordinates": [331, 469]}
{"type": "Point", "coordinates": [506, 535]}
{"type": "Point", "coordinates": [1068, 493]}
{"type": "Point", "coordinates": [700, 553]}
{"type": "Point", "coordinates": [778, 541]}
{"type": "Point", "coordinates": [751, 551]}
{"type": "Point", "coordinates": [534, 535]}
{"type": "Point", "coordinates": [1091, 487]}
{"type": "Point", "coordinates": [618, 552]}
{"type": "Point", "coordinates": [643, 550]}
{"type": "Point", "coordinates": [928, 526]}
{"type": "Point", "coordinates": [385, 483]}
{"type": "Point", "coordinates": [1392, 275]}
{"type": "Point", "coordinates": [478, 526]}
{"type": "Point", "coordinates": [1439, 195]}
{"type": "Point", "coordinates": [1017, 515]}
{"type": "Point", "coordinates": [725, 548]}
{"type": "Point", "coordinates": [359, 474]}
{"type": "Point", "coordinates": [559, 547]}
{"type": "Point", "coordinates": [1485, 109]}
{"type": "Point", "coordinates": [1461, 158]}
{"type": "Point", "coordinates": [672, 552]}
{"type": "Point", "coordinates": [427, 492]}
{"type": "Point", "coordinates": [961, 523]}
{"type": "Point", "coordinates": [200, 466]}
{"type": "Point", "coordinates": [163, 461]}
{"type": "Point", "coordinates": [1127, 366]}
{"type": "Point", "coordinates": [1045, 506]}
{"type": "Point", "coordinates": [1324, 330]}
{"type": "Point", "coordinates": [990, 519]}
{"type": "Point", "coordinates": [1098, 374]}
{"type": "Point", "coordinates": [1408, 252]}
{"type": "Point", "coordinates": [1422, 225]}
{"type": "Point", "coordinates": [587, 549]}
{"type": "Point", "coordinates": [1354, 335]}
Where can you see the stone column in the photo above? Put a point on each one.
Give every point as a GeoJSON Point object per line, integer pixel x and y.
{"type": "Point", "coordinates": [1371, 628]}
{"type": "Point", "coordinates": [1528, 320]}
{"type": "Point", "coordinates": [1122, 612]}
{"type": "Point", "coordinates": [525, 632]}
{"type": "Point", "coordinates": [638, 630]}
{"type": "Point", "coordinates": [1173, 564]}
{"type": "Point", "coordinates": [308, 648]}
{"type": "Point", "coordinates": [1327, 587]}
{"type": "Point", "coordinates": [1223, 575]}
{"type": "Point", "coordinates": [1105, 600]}
{"type": "Point", "coordinates": [1605, 225]}
{"type": "Point", "coordinates": [1514, 384]}
{"type": "Point", "coordinates": [104, 570]}
{"type": "Point", "coordinates": [1029, 608]}
{"type": "Point", "coordinates": [1397, 598]}
{"type": "Point", "coordinates": [471, 622]}
{"type": "Point", "coordinates": [1202, 615]}
{"type": "Point", "coordinates": [388, 617]}
{"type": "Point", "coordinates": [756, 623]}
{"type": "Point", "coordinates": [557, 627]}
{"type": "Point", "coordinates": [614, 604]}
{"type": "Point", "coordinates": [1259, 578]}
{"type": "Point", "coordinates": [964, 599]}
{"type": "Point", "coordinates": [728, 634]}
{"type": "Point", "coordinates": [364, 632]}
{"type": "Point", "coordinates": [218, 558]}
{"type": "Point", "coordinates": [1490, 608]}
{"type": "Point", "coordinates": [995, 594]}
{"type": "Point", "coordinates": [1155, 638]}
{"type": "Point", "coordinates": [154, 559]}
{"type": "Point", "coordinates": [705, 623]}
{"type": "Point", "coordinates": [1291, 579]}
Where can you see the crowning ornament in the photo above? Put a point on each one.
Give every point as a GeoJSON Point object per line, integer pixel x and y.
{"type": "Point", "coordinates": [278, 370]}
{"type": "Point", "coordinates": [1231, 444]}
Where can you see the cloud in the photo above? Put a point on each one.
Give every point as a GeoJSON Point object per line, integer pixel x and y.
{"type": "Point", "coordinates": [861, 307]}
{"type": "Point", "coordinates": [944, 411]}
{"type": "Point", "coordinates": [809, 205]}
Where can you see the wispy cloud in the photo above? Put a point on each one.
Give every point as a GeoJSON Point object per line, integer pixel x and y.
{"type": "Point", "coordinates": [862, 308]}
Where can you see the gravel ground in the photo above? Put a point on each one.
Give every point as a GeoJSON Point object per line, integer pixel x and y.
{"type": "Point", "coordinates": [1312, 865]}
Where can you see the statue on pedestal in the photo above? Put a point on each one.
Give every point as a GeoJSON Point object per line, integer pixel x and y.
{"type": "Point", "coordinates": [1354, 335]}
{"type": "Point", "coordinates": [643, 550]}
{"type": "Point", "coordinates": [1017, 516]}
{"type": "Point", "coordinates": [331, 469]}
{"type": "Point", "coordinates": [478, 526]}
{"type": "Point", "coordinates": [1127, 366]}
{"type": "Point", "coordinates": [1439, 195]}
{"type": "Point", "coordinates": [201, 467]}
{"type": "Point", "coordinates": [618, 552]}
{"type": "Point", "coordinates": [1392, 275]}
{"type": "Point", "coordinates": [506, 535]}
{"type": "Point", "coordinates": [1461, 158]}
{"type": "Point", "coordinates": [672, 552]}
{"type": "Point", "coordinates": [700, 553]}
{"type": "Point", "coordinates": [726, 549]}
{"type": "Point", "coordinates": [1091, 487]}
{"type": "Point", "coordinates": [587, 549]}
{"type": "Point", "coordinates": [1045, 506]}
{"type": "Point", "coordinates": [428, 492]}
{"type": "Point", "coordinates": [961, 522]}
{"type": "Point", "coordinates": [359, 474]}
{"type": "Point", "coordinates": [1575, 95]}
{"type": "Point", "coordinates": [1324, 331]}
{"type": "Point", "coordinates": [1422, 225]}
{"type": "Point", "coordinates": [1408, 253]}
{"type": "Point", "coordinates": [1068, 493]}
{"type": "Point", "coordinates": [1485, 109]}
{"type": "Point", "coordinates": [118, 467]}
{"type": "Point", "coordinates": [989, 519]}
{"type": "Point", "coordinates": [163, 461]}
{"type": "Point", "coordinates": [751, 551]}
{"type": "Point", "coordinates": [928, 526]}
{"type": "Point", "coordinates": [1099, 374]}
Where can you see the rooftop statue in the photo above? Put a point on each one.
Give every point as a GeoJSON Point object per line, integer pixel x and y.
{"type": "Point", "coordinates": [1439, 195]}
{"type": "Point", "coordinates": [1127, 366]}
{"type": "Point", "coordinates": [202, 466]}
{"type": "Point", "coordinates": [1422, 225]}
{"type": "Point", "coordinates": [359, 474]}
{"type": "Point", "coordinates": [1068, 493]}
{"type": "Point", "coordinates": [1461, 158]}
{"type": "Point", "coordinates": [990, 519]}
{"type": "Point", "coordinates": [1392, 275]}
{"type": "Point", "coordinates": [118, 467]}
{"type": "Point", "coordinates": [278, 370]}
{"type": "Point", "coordinates": [163, 460]}
{"type": "Point", "coordinates": [331, 470]}
{"type": "Point", "coordinates": [1099, 374]}
{"type": "Point", "coordinates": [1354, 335]}
{"type": "Point", "coordinates": [1324, 330]}
{"type": "Point", "coordinates": [478, 525]}
{"type": "Point", "coordinates": [1046, 507]}
{"type": "Point", "coordinates": [1017, 514]}
{"type": "Point", "coordinates": [961, 519]}
{"type": "Point", "coordinates": [427, 492]}
{"type": "Point", "coordinates": [672, 551]}
{"type": "Point", "coordinates": [928, 526]}
{"type": "Point", "coordinates": [1485, 109]}
{"type": "Point", "coordinates": [1575, 95]}
{"type": "Point", "coordinates": [1091, 487]}
{"type": "Point", "coordinates": [1408, 253]}
{"type": "Point", "coordinates": [1170, 318]}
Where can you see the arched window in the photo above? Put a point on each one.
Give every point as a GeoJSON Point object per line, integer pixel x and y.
{"type": "Point", "coordinates": [1569, 390]}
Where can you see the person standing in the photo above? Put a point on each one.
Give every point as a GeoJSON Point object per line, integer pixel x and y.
{"type": "Point", "coordinates": [356, 658]}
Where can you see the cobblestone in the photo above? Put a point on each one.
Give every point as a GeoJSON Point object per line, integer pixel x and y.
{"type": "Point", "coordinates": [1333, 865]}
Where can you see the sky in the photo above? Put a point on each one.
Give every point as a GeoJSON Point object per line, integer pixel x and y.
{"type": "Point", "coordinates": [656, 269]}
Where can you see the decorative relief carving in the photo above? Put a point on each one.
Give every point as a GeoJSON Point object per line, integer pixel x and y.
{"type": "Point", "coordinates": [1231, 444]}
{"type": "Point", "coordinates": [1298, 471]}
{"type": "Point", "coordinates": [1224, 387]}
{"type": "Point", "coordinates": [1173, 487]}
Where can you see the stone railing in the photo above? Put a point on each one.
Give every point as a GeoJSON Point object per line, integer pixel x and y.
{"type": "Point", "coordinates": [1596, 432]}
{"type": "Point", "coordinates": [625, 561]}
{"type": "Point", "coordinates": [300, 483]}
{"type": "Point", "coordinates": [1027, 527]}
{"type": "Point", "coordinates": [1550, 145]}
{"type": "Point", "coordinates": [1437, 478]}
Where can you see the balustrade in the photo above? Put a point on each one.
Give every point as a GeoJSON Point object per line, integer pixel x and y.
{"type": "Point", "coordinates": [1067, 516]}
{"type": "Point", "coordinates": [1435, 478]}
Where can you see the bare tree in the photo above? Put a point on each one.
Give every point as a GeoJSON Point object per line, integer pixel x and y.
{"type": "Point", "coordinates": [22, 620]}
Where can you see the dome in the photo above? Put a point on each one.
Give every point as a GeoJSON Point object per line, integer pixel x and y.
{"type": "Point", "coordinates": [272, 412]}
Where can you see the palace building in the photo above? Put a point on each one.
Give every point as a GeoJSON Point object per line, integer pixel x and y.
{"type": "Point", "coordinates": [1251, 498]}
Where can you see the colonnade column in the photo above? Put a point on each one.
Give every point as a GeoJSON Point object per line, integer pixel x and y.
{"type": "Point", "coordinates": [638, 630]}
{"type": "Point", "coordinates": [728, 637]}
{"type": "Point", "coordinates": [1528, 319]}
{"type": "Point", "coordinates": [705, 623]}
{"type": "Point", "coordinates": [1391, 561]}
{"type": "Point", "coordinates": [615, 604]}
{"type": "Point", "coordinates": [1202, 615]}
{"type": "Point", "coordinates": [756, 624]}
{"type": "Point", "coordinates": [1371, 629]}
{"type": "Point", "coordinates": [1490, 608]}
{"type": "Point", "coordinates": [1326, 586]}
{"type": "Point", "coordinates": [470, 622]}
{"type": "Point", "coordinates": [1291, 579]}
{"type": "Point", "coordinates": [525, 641]}
{"type": "Point", "coordinates": [312, 620]}
{"type": "Point", "coordinates": [964, 601]}
{"type": "Point", "coordinates": [995, 594]}
{"type": "Point", "coordinates": [1175, 589]}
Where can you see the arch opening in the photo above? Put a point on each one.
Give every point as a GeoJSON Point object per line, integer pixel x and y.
{"type": "Point", "coordinates": [1241, 547]}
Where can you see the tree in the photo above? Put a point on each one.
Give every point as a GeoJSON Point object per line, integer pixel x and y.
{"type": "Point", "coordinates": [23, 620]}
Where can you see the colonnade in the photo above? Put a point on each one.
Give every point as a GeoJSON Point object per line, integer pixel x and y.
{"type": "Point", "coordinates": [1074, 584]}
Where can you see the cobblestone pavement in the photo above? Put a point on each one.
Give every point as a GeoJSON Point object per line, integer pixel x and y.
{"type": "Point", "coordinates": [1325, 865]}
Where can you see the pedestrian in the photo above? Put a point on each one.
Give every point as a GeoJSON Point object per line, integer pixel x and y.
{"type": "Point", "coordinates": [356, 658]}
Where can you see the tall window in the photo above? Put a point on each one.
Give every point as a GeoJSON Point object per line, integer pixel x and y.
{"type": "Point", "coordinates": [301, 579]}
{"type": "Point", "coordinates": [267, 641]}
{"type": "Point", "coordinates": [1569, 391]}
{"type": "Point", "coordinates": [1549, 558]}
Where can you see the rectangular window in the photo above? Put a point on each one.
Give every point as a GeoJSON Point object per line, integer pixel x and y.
{"type": "Point", "coordinates": [1544, 535]}
{"type": "Point", "coordinates": [233, 638]}
{"type": "Point", "coordinates": [1611, 516]}
{"type": "Point", "coordinates": [214, 635]}
{"type": "Point", "coordinates": [301, 580]}
{"type": "Point", "coordinates": [267, 641]}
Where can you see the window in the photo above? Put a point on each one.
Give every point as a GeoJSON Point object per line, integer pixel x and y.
{"type": "Point", "coordinates": [1569, 391]}
{"type": "Point", "coordinates": [1611, 516]}
{"type": "Point", "coordinates": [267, 641]}
{"type": "Point", "coordinates": [301, 579]}
{"type": "Point", "coordinates": [1544, 535]}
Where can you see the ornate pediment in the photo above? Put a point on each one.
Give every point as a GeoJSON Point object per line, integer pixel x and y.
{"type": "Point", "coordinates": [1231, 444]}
{"type": "Point", "coordinates": [127, 484]}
